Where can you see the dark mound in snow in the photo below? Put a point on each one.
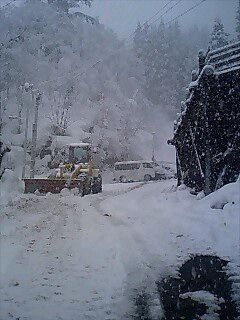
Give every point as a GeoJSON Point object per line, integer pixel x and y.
{"type": "Point", "coordinates": [200, 274]}
{"type": "Point", "coordinates": [202, 288]}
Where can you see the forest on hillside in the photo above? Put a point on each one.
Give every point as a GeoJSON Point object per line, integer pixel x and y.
{"type": "Point", "coordinates": [94, 87]}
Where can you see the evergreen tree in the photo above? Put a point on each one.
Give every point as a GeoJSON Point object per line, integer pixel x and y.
{"type": "Point", "coordinates": [65, 5]}
{"type": "Point", "coordinates": [165, 52]}
{"type": "Point", "coordinates": [219, 37]}
{"type": "Point", "coordinates": [238, 21]}
{"type": "Point", "coordinates": [137, 40]}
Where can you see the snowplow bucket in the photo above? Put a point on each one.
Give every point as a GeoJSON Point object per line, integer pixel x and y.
{"type": "Point", "coordinates": [44, 185]}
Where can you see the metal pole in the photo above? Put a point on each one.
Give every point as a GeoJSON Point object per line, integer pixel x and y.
{"type": "Point", "coordinates": [153, 147]}
{"type": "Point", "coordinates": [25, 143]}
{"type": "Point", "coordinates": [34, 136]}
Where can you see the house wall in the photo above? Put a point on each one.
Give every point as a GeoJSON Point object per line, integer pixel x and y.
{"type": "Point", "coordinates": [207, 139]}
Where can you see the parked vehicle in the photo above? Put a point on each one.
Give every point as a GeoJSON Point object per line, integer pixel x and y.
{"type": "Point", "coordinates": [165, 170]}
{"type": "Point", "coordinates": [134, 171]}
{"type": "Point", "coordinates": [78, 171]}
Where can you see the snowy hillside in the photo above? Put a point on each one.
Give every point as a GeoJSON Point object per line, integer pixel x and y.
{"type": "Point", "coordinates": [56, 53]}
{"type": "Point", "coordinates": [90, 85]}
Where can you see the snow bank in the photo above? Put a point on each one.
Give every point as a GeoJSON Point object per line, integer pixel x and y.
{"type": "Point", "coordinates": [10, 187]}
{"type": "Point", "coordinates": [42, 166]}
{"type": "Point", "coordinates": [11, 166]}
{"type": "Point", "coordinates": [14, 160]}
{"type": "Point", "coordinates": [229, 193]}
{"type": "Point", "coordinates": [160, 211]}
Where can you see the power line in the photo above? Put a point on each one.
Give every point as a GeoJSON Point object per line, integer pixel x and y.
{"type": "Point", "coordinates": [158, 12]}
{"type": "Point", "coordinates": [149, 19]}
{"type": "Point", "coordinates": [15, 39]}
{"type": "Point", "coordinates": [169, 9]}
{"type": "Point", "coordinates": [170, 21]}
{"type": "Point", "coordinates": [102, 60]}
{"type": "Point", "coordinates": [185, 12]}
{"type": "Point", "coordinates": [163, 14]}
{"type": "Point", "coordinates": [131, 34]}
{"type": "Point", "coordinates": [7, 4]}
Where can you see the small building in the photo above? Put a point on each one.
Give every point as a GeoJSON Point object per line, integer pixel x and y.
{"type": "Point", "coordinates": [207, 132]}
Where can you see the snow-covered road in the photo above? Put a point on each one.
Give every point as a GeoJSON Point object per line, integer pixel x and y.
{"type": "Point", "coordinates": [67, 257]}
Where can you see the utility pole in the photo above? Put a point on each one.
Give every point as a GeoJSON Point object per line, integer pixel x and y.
{"type": "Point", "coordinates": [1, 120]}
{"type": "Point", "coordinates": [27, 87]}
{"type": "Point", "coordinates": [153, 146]}
{"type": "Point", "coordinates": [20, 107]}
{"type": "Point", "coordinates": [34, 135]}
{"type": "Point", "coordinates": [25, 143]}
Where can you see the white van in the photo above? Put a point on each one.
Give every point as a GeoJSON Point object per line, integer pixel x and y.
{"type": "Point", "coordinates": [134, 171]}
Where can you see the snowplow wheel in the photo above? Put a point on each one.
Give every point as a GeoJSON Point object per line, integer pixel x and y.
{"type": "Point", "coordinates": [123, 179]}
{"type": "Point", "coordinates": [147, 177]}
{"type": "Point", "coordinates": [94, 190]}
{"type": "Point", "coordinates": [97, 185]}
{"type": "Point", "coordinates": [82, 191]}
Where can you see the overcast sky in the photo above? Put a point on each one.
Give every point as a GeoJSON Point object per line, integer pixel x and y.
{"type": "Point", "coordinates": [123, 15]}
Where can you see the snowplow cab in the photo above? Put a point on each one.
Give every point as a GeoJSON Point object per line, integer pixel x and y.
{"type": "Point", "coordinates": [79, 153]}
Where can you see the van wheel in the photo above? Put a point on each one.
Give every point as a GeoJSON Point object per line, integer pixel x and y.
{"type": "Point", "coordinates": [123, 179]}
{"type": "Point", "coordinates": [147, 177]}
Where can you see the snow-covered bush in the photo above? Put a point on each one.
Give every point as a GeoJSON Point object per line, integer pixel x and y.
{"type": "Point", "coordinates": [10, 187]}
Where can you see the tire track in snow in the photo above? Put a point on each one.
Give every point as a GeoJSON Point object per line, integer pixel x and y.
{"type": "Point", "coordinates": [58, 274]}
{"type": "Point", "coordinates": [96, 203]}
{"type": "Point", "coordinates": [141, 275]}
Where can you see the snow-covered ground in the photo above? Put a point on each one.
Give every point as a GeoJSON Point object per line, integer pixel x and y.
{"type": "Point", "coordinates": [67, 257]}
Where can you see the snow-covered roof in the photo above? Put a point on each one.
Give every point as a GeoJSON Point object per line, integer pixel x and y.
{"type": "Point", "coordinates": [79, 144]}
{"type": "Point", "coordinates": [193, 84]}
{"type": "Point", "coordinates": [224, 48]}
{"type": "Point", "coordinates": [66, 141]}
{"type": "Point", "coordinates": [228, 70]}
{"type": "Point", "coordinates": [131, 162]}
{"type": "Point", "coordinates": [224, 58]}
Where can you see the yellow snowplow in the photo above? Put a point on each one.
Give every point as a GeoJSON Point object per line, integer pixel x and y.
{"type": "Point", "coordinates": [78, 172]}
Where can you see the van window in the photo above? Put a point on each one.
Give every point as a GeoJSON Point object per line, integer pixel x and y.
{"type": "Point", "coordinates": [118, 167]}
{"type": "Point", "coordinates": [127, 166]}
{"type": "Point", "coordinates": [122, 166]}
{"type": "Point", "coordinates": [135, 166]}
{"type": "Point", "coordinates": [147, 165]}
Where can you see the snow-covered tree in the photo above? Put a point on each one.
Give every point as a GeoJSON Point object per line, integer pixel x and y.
{"type": "Point", "coordinates": [55, 52]}
{"type": "Point", "coordinates": [168, 55]}
{"type": "Point", "coordinates": [219, 37]}
{"type": "Point", "coordinates": [60, 116]}
{"type": "Point", "coordinates": [66, 5]}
